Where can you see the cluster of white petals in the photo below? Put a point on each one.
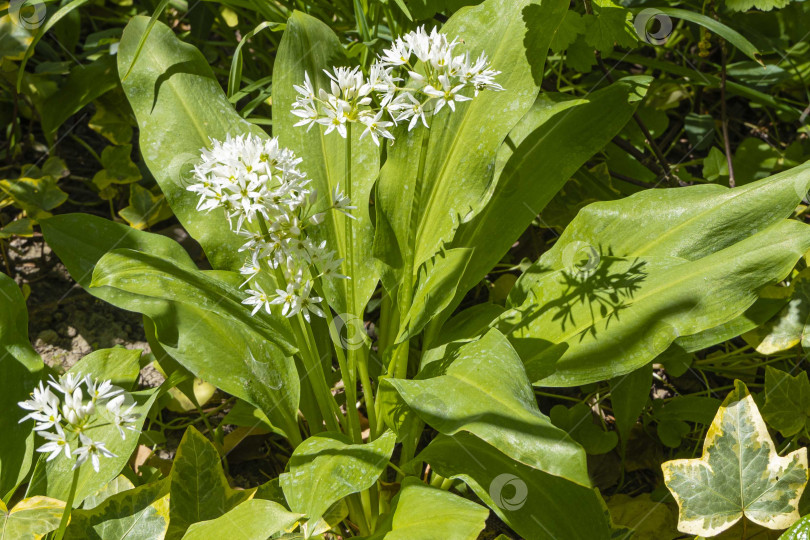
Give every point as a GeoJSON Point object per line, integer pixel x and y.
{"type": "Point", "coordinates": [417, 76]}
{"type": "Point", "coordinates": [78, 405]}
{"type": "Point", "coordinates": [268, 201]}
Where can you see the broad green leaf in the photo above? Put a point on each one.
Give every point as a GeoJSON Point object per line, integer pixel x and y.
{"type": "Point", "coordinates": [541, 153]}
{"type": "Point", "coordinates": [628, 277]}
{"type": "Point", "coordinates": [413, 216]}
{"type": "Point", "coordinates": [145, 209]}
{"type": "Point", "coordinates": [84, 83]}
{"type": "Point", "coordinates": [255, 519]}
{"type": "Point", "coordinates": [199, 490]}
{"type": "Point", "coordinates": [141, 513]}
{"type": "Point", "coordinates": [787, 402]}
{"type": "Point", "coordinates": [215, 348]}
{"type": "Point", "coordinates": [423, 512]}
{"type": "Point", "coordinates": [628, 396]}
{"type": "Point", "coordinates": [578, 423]}
{"type": "Point", "coordinates": [533, 503]}
{"type": "Point", "coordinates": [739, 474]}
{"type": "Point", "coordinates": [37, 196]}
{"type": "Point", "coordinates": [798, 531]}
{"type": "Point", "coordinates": [143, 274]}
{"type": "Point", "coordinates": [118, 167]}
{"type": "Point", "coordinates": [790, 326]}
{"type": "Point", "coordinates": [22, 368]}
{"type": "Point", "coordinates": [610, 25]}
{"type": "Point", "coordinates": [327, 467]}
{"type": "Point", "coordinates": [179, 104]}
{"type": "Point", "coordinates": [119, 484]}
{"type": "Point", "coordinates": [118, 365]}
{"type": "Point", "coordinates": [30, 519]}
{"type": "Point", "coordinates": [649, 519]}
{"type": "Point", "coordinates": [482, 388]}
{"type": "Point", "coordinates": [310, 46]}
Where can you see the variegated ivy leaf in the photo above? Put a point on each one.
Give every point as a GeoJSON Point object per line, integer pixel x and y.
{"type": "Point", "coordinates": [740, 474]}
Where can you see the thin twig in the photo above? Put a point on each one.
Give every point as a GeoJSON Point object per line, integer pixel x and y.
{"type": "Point", "coordinates": [629, 180]}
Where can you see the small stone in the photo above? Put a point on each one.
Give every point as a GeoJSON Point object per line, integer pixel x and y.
{"type": "Point", "coordinates": [69, 331]}
{"type": "Point", "coordinates": [48, 336]}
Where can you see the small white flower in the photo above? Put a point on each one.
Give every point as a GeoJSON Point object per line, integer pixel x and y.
{"type": "Point", "coordinates": [91, 450]}
{"type": "Point", "coordinates": [376, 127]}
{"type": "Point", "coordinates": [122, 419]}
{"type": "Point", "coordinates": [342, 203]}
{"type": "Point", "coordinates": [288, 299]}
{"type": "Point", "coordinates": [447, 94]}
{"type": "Point", "coordinates": [104, 390]}
{"type": "Point", "coordinates": [42, 399]}
{"type": "Point", "coordinates": [57, 444]}
{"type": "Point", "coordinates": [307, 303]}
{"type": "Point", "coordinates": [258, 299]}
{"type": "Point", "coordinates": [67, 383]}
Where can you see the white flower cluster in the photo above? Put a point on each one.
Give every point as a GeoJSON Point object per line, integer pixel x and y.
{"type": "Point", "coordinates": [73, 416]}
{"type": "Point", "coordinates": [269, 203]}
{"type": "Point", "coordinates": [394, 86]}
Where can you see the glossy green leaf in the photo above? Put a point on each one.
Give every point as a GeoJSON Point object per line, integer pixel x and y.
{"type": "Point", "coordinates": [791, 326]}
{"type": "Point", "coordinates": [530, 501]}
{"type": "Point", "coordinates": [798, 531]}
{"type": "Point", "coordinates": [722, 30]}
{"type": "Point", "coordinates": [37, 196]}
{"type": "Point", "coordinates": [30, 519]}
{"type": "Point", "coordinates": [216, 348]}
{"type": "Point", "coordinates": [327, 467]}
{"type": "Point", "coordinates": [739, 474]}
{"type": "Point", "coordinates": [22, 368]}
{"type": "Point", "coordinates": [423, 512]}
{"type": "Point", "coordinates": [482, 388]}
{"type": "Point", "coordinates": [179, 104]}
{"type": "Point", "coordinates": [787, 402]}
{"type": "Point", "coordinates": [119, 484]}
{"type": "Point", "coordinates": [610, 25]}
{"type": "Point", "coordinates": [145, 209]}
{"type": "Point", "coordinates": [628, 277]}
{"type": "Point", "coordinates": [541, 153]}
{"type": "Point", "coordinates": [141, 513]}
{"type": "Point", "coordinates": [199, 490]}
{"type": "Point", "coordinates": [255, 519]}
{"type": "Point", "coordinates": [310, 46]}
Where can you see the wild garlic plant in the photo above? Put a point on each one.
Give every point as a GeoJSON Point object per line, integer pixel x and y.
{"type": "Point", "coordinates": [73, 412]}
{"type": "Point", "coordinates": [397, 87]}
{"type": "Point", "coordinates": [268, 202]}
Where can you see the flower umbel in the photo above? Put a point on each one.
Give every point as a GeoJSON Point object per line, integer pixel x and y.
{"type": "Point", "coordinates": [270, 204]}
{"type": "Point", "coordinates": [419, 74]}
{"type": "Point", "coordinates": [75, 413]}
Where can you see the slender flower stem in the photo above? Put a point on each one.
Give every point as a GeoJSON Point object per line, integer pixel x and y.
{"type": "Point", "coordinates": [312, 362]}
{"type": "Point", "coordinates": [60, 532]}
